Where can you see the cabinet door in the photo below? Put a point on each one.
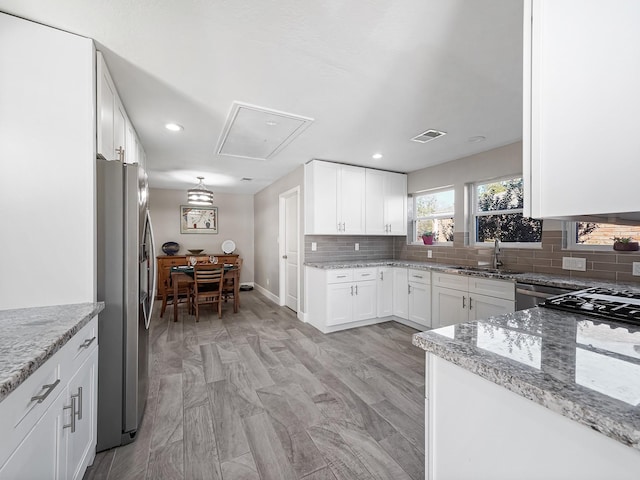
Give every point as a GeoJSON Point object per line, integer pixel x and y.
{"type": "Point", "coordinates": [420, 303]}
{"type": "Point", "coordinates": [395, 203]}
{"type": "Point", "coordinates": [42, 454]}
{"type": "Point", "coordinates": [364, 300]}
{"type": "Point", "coordinates": [401, 293]}
{"type": "Point", "coordinates": [375, 202]}
{"type": "Point", "coordinates": [119, 131]}
{"type": "Point", "coordinates": [351, 200]}
{"type": "Point", "coordinates": [339, 303]}
{"type": "Point", "coordinates": [599, 86]}
{"type": "Point", "coordinates": [106, 100]}
{"type": "Point", "coordinates": [321, 198]}
{"type": "Point", "coordinates": [82, 442]}
{"type": "Point", "coordinates": [131, 144]}
{"type": "Point", "coordinates": [385, 292]}
{"type": "Point", "coordinates": [482, 307]}
{"type": "Point", "coordinates": [449, 307]}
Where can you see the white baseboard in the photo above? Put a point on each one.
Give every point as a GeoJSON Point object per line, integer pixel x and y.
{"type": "Point", "coordinates": [302, 317]}
{"type": "Point", "coordinates": [274, 298]}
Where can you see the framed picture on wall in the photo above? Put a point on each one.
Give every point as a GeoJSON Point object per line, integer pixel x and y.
{"type": "Point", "coordinates": [198, 219]}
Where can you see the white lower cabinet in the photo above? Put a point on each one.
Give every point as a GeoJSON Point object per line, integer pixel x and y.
{"type": "Point", "coordinates": [385, 291]}
{"type": "Point", "coordinates": [412, 295]}
{"type": "Point", "coordinates": [49, 422]}
{"type": "Point", "coordinates": [458, 298]}
{"type": "Point", "coordinates": [339, 299]}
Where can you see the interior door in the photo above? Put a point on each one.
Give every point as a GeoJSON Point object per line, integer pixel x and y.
{"type": "Point", "coordinates": [291, 251]}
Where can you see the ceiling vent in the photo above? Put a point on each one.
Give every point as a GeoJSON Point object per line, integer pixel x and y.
{"type": "Point", "coordinates": [427, 136]}
{"type": "Point", "coordinates": [259, 133]}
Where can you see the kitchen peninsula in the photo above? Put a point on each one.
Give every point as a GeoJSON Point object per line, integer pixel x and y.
{"type": "Point", "coordinates": [532, 394]}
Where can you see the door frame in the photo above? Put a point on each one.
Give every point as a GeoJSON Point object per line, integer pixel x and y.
{"type": "Point", "coordinates": [281, 244]}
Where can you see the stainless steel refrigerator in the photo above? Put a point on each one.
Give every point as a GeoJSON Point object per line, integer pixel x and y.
{"type": "Point", "coordinates": [126, 282]}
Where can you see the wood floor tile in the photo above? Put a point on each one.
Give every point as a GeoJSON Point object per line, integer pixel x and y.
{"type": "Point", "coordinates": [271, 459]}
{"type": "Point", "coordinates": [261, 395]}
{"type": "Point", "coordinates": [200, 451]}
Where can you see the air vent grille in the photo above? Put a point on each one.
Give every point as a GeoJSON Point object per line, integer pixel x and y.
{"type": "Point", "coordinates": [427, 136]}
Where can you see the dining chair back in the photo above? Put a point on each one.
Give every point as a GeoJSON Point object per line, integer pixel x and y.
{"type": "Point", "coordinates": [208, 284]}
{"type": "Point", "coordinates": [230, 288]}
{"type": "Point", "coordinates": [184, 293]}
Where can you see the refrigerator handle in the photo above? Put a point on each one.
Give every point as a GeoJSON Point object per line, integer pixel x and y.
{"type": "Point", "coordinates": [154, 285]}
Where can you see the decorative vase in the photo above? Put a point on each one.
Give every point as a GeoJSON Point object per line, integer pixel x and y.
{"type": "Point", "coordinates": [626, 247]}
{"type": "Point", "coordinates": [170, 248]}
{"type": "Point", "coordinates": [427, 239]}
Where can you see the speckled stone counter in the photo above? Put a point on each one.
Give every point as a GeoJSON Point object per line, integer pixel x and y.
{"type": "Point", "coordinates": [30, 336]}
{"type": "Point", "coordinates": [524, 277]}
{"type": "Point", "coordinates": [587, 370]}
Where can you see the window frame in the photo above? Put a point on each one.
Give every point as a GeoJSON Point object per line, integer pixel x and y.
{"type": "Point", "coordinates": [415, 219]}
{"type": "Point", "coordinates": [474, 212]}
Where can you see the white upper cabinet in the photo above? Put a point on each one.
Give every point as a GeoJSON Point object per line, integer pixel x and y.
{"type": "Point", "coordinates": [581, 100]}
{"type": "Point", "coordinates": [343, 199]}
{"type": "Point", "coordinates": [116, 136]}
{"type": "Point", "coordinates": [386, 203]}
{"type": "Point", "coordinates": [334, 199]}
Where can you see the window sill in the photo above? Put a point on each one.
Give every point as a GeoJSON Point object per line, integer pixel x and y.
{"type": "Point", "coordinates": [438, 244]}
{"type": "Point", "coordinates": [508, 245]}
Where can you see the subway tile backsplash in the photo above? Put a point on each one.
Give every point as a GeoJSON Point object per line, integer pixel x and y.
{"type": "Point", "coordinates": [342, 247]}
{"type": "Point", "coordinates": [606, 265]}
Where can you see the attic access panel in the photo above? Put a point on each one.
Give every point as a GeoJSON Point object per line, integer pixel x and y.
{"type": "Point", "coordinates": [257, 132]}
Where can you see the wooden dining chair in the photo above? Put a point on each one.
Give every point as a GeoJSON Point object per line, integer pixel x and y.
{"type": "Point", "coordinates": [184, 294]}
{"type": "Point", "coordinates": [229, 288]}
{"type": "Point", "coordinates": [208, 284]}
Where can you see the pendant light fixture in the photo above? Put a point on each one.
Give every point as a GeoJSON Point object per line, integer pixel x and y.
{"type": "Point", "coordinates": [200, 195]}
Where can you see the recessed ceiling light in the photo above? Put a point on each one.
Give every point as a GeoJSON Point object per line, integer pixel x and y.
{"type": "Point", "coordinates": [376, 156]}
{"type": "Point", "coordinates": [271, 123]}
{"type": "Point", "coordinates": [476, 139]}
{"type": "Point", "coordinates": [174, 127]}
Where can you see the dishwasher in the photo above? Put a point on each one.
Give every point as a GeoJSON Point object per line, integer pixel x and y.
{"type": "Point", "coordinates": [529, 295]}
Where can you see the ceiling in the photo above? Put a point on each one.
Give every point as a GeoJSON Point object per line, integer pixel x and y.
{"type": "Point", "coordinates": [371, 73]}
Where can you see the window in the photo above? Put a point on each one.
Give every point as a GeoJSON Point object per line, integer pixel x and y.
{"type": "Point", "coordinates": [497, 214]}
{"type": "Point", "coordinates": [597, 236]}
{"type": "Point", "coordinates": [434, 212]}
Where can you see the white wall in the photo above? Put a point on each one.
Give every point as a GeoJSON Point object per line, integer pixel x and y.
{"type": "Point", "coordinates": [266, 208]}
{"type": "Point", "coordinates": [47, 179]}
{"type": "Point", "coordinates": [235, 222]}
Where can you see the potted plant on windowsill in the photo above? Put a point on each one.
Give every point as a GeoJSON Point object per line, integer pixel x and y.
{"type": "Point", "coordinates": [624, 244]}
{"type": "Point", "coordinates": [427, 237]}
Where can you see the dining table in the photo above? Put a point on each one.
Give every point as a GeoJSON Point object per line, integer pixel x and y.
{"type": "Point", "coordinates": [184, 275]}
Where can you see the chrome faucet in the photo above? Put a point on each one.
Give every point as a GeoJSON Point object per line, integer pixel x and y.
{"type": "Point", "coordinates": [497, 263]}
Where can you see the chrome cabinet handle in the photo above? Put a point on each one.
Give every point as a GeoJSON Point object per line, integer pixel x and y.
{"type": "Point", "coordinates": [71, 407]}
{"type": "Point", "coordinates": [341, 276]}
{"type": "Point", "coordinates": [409, 289]}
{"type": "Point", "coordinates": [352, 290]}
{"type": "Point", "coordinates": [285, 257]}
{"type": "Point", "coordinates": [87, 342]}
{"type": "Point", "coordinates": [464, 302]}
{"type": "Point", "coordinates": [79, 397]}
{"type": "Point", "coordinates": [49, 388]}
{"type": "Point", "coordinates": [381, 275]}
{"type": "Point", "coordinates": [356, 289]}
{"type": "Point", "coordinates": [338, 227]}
{"type": "Point", "coordinates": [470, 305]}
{"type": "Point", "coordinates": [365, 275]}
{"type": "Point", "coordinates": [417, 276]}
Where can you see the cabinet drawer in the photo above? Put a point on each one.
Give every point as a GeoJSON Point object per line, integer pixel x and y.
{"type": "Point", "coordinates": [19, 413]}
{"type": "Point", "coordinates": [83, 342]}
{"type": "Point", "coordinates": [420, 276]}
{"type": "Point", "coordinates": [494, 288]}
{"type": "Point", "coordinates": [457, 282]}
{"type": "Point", "coordinates": [339, 276]}
{"type": "Point", "coordinates": [174, 261]}
{"type": "Point", "coordinates": [360, 274]}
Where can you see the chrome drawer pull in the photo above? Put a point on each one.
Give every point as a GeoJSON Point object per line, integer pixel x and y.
{"type": "Point", "coordinates": [79, 397]}
{"type": "Point", "coordinates": [87, 342]}
{"type": "Point", "coordinates": [365, 274]}
{"type": "Point", "coordinates": [341, 276]}
{"type": "Point", "coordinates": [417, 276]}
{"type": "Point", "coordinates": [49, 387]}
{"type": "Point", "coordinates": [71, 407]}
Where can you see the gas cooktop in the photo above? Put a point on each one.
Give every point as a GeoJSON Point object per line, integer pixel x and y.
{"type": "Point", "coordinates": [622, 305]}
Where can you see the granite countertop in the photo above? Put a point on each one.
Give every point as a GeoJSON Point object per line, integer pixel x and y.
{"type": "Point", "coordinates": [524, 277]}
{"type": "Point", "coordinates": [585, 369]}
{"type": "Point", "coordinates": [30, 336]}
